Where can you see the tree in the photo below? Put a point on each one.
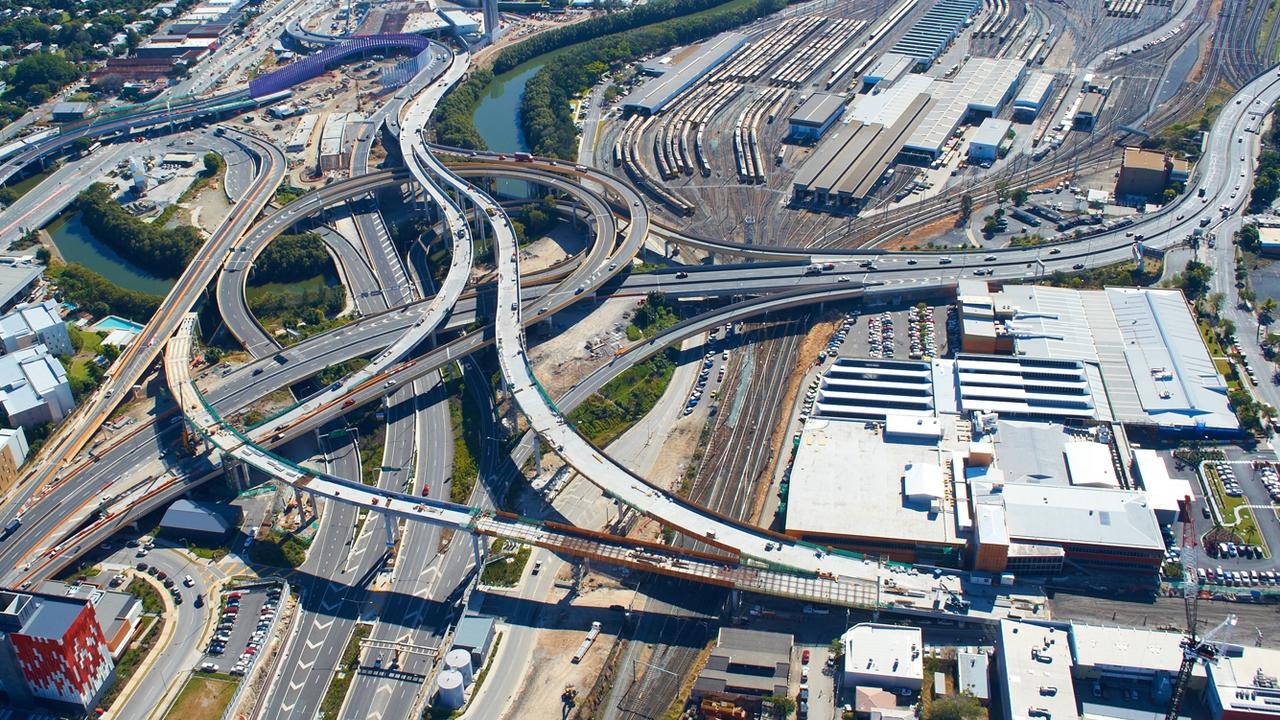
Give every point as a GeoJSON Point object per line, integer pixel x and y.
{"type": "Point", "coordinates": [783, 706]}
{"type": "Point", "coordinates": [212, 164]}
{"type": "Point", "coordinates": [81, 145]}
{"type": "Point", "coordinates": [1268, 311]}
{"type": "Point", "coordinates": [1194, 280]}
{"type": "Point", "coordinates": [110, 84]}
{"type": "Point", "coordinates": [966, 206]}
{"type": "Point", "coordinates": [1214, 302]}
{"type": "Point", "coordinates": [1248, 238]}
{"type": "Point", "coordinates": [1019, 196]}
{"type": "Point", "coordinates": [1227, 328]}
{"type": "Point", "coordinates": [43, 73]}
{"type": "Point", "coordinates": [955, 707]}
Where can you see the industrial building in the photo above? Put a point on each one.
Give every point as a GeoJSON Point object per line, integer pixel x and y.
{"type": "Point", "coordinates": [1165, 493]}
{"type": "Point", "coordinates": [463, 24]}
{"type": "Point", "coordinates": [888, 69]}
{"type": "Point", "coordinates": [653, 95]}
{"type": "Point", "coordinates": [845, 169]}
{"type": "Point", "coordinates": [745, 667]}
{"type": "Point", "coordinates": [197, 522]}
{"type": "Point", "coordinates": [858, 388]}
{"type": "Point", "coordinates": [33, 387]}
{"type": "Point", "coordinates": [1031, 658]}
{"type": "Point", "coordinates": [1033, 97]}
{"type": "Point", "coordinates": [812, 119]}
{"type": "Point", "coordinates": [1089, 110]}
{"type": "Point", "coordinates": [34, 323]}
{"type": "Point", "coordinates": [1144, 175]}
{"type": "Point", "coordinates": [893, 481]}
{"type": "Point", "coordinates": [475, 634]}
{"type": "Point", "coordinates": [889, 657]}
{"type": "Point", "coordinates": [985, 145]}
{"type": "Point", "coordinates": [979, 90]}
{"type": "Point", "coordinates": [1022, 386]}
{"type": "Point", "coordinates": [1142, 354]}
{"type": "Point", "coordinates": [1244, 684]}
{"type": "Point", "coordinates": [52, 652]}
{"type": "Point", "coordinates": [935, 30]}
{"type": "Point", "coordinates": [71, 111]}
{"type": "Point", "coordinates": [301, 137]}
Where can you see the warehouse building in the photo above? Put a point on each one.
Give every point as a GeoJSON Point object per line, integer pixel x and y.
{"type": "Point", "coordinates": [844, 170]}
{"type": "Point", "coordinates": [745, 667]}
{"type": "Point", "coordinates": [812, 119]}
{"type": "Point", "coordinates": [935, 30]}
{"type": "Point", "coordinates": [190, 521]}
{"type": "Point", "coordinates": [301, 137]}
{"type": "Point", "coordinates": [1144, 175]}
{"type": "Point", "coordinates": [892, 480]}
{"type": "Point", "coordinates": [463, 24]}
{"type": "Point", "coordinates": [1023, 386]}
{"type": "Point", "coordinates": [979, 90]}
{"type": "Point", "coordinates": [984, 147]}
{"type": "Point", "coordinates": [1089, 110]}
{"type": "Point", "coordinates": [1141, 352]}
{"type": "Point", "coordinates": [887, 70]}
{"type": "Point", "coordinates": [890, 657]}
{"type": "Point", "coordinates": [653, 95]}
{"type": "Point", "coordinates": [1033, 97]}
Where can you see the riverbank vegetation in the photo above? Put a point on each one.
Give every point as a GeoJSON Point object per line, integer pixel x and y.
{"type": "Point", "coordinates": [97, 295]}
{"type": "Point", "coordinates": [545, 115]}
{"type": "Point", "coordinates": [160, 251]}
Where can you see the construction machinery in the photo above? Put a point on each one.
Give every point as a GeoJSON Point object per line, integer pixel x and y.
{"type": "Point", "coordinates": [1196, 649]}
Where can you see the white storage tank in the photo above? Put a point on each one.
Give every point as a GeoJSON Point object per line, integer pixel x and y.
{"type": "Point", "coordinates": [449, 689]}
{"type": "Point", "coordinates": [459, 659]}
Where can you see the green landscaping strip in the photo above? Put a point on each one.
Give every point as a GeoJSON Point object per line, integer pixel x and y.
{"type": "Point", "coordinates": [331, 705]}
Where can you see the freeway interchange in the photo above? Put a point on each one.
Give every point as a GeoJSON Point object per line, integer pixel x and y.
{"type": "Point", "coordinates": [59, 500]}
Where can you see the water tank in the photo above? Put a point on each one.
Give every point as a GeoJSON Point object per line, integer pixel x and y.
{"type": "Point", "coordinates": [449, 689]}
{"type": "Point", "coordinates": [459, 659]}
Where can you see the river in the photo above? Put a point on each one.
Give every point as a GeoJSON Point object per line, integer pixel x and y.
{"type": "Point", "coordinates": [78, 245]}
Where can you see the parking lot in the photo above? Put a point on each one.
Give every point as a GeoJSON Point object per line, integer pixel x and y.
{"type": "Point", "coordinates": [914, 332]}
{"type": "Point", "coordinates": [245, 621]}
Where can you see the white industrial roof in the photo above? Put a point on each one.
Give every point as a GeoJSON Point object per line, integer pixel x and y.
{"type": "Point", "coordinates": [991, 526]}
{"type": "Point", "coordinates": [974, 677]}
{"type": "Point", "coordinates": [847, 481]}
{"type": "Point", "coordinates": [922, 482]}
{"type": "Point", "coordinates": [891, 652]}
{"type": "Point", "coordinates": [991, 132]}
{"type": "Point", "coordinates": [1119, 647]}
{"type": "Point", "coordinates": [1246, 681]}
{"type": "Point", "coordinates": [886, 106]}
{"type": "Point", "coordinates": [817, 109]}
{"type": "Point", "coordinates": [653, 94]}
{"type": "Point", "coordinates": [1078, 515]}
{"type": "Point", "coordinates": [889, 67]}
{"type": "Point", "coordinates": [1034, 657]}
{"type": "Point", "coordinates": [1176, 380]}
{"type": "Point", "coordinates": [1089, 464]}
{"type": "Point", "coordinates": [1034, 89]}
{"type": "Point", "coordinates": [980, 85]}
{"type": "Point", "coordinates": [1163, 492]}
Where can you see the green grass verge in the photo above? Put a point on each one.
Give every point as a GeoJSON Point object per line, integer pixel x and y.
{"type": "Point", "coordinates": [1247, 529]}
{"type": "Point", "coordinates": [627, 398]}
{"type": "Point", "coordinates": [204, 697]}
{"type": "Point", "coordinates": [129, 662]}
{"type": "Point", "coordinates": [506, 572]}
{"type": "Point", "coordinates": [346, 672]}
{"type": "Point", "coordinates": [150, 598]}
{"type": "Point", "coordinates": [275, 551]}
{"type": "Point", "coordinates": [464, 416]}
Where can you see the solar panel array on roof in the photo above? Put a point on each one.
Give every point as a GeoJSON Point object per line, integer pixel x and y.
{"type": "Point", "coordinates": [931, 34]}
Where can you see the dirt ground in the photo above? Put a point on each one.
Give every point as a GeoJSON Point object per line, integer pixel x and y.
{"type": "Point", "coordinates": [550, 661]}
{"type": "Point", "coordinates": [549, 250]}
{"type": "Point", "coordinates": [923, 235]}
{"type": "Point", "coordinates": [564, 359]}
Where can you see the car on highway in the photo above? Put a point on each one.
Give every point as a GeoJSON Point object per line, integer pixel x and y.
{"type": "Point", "coordinates": [682, 275]}
{"type": "Point", "coordinates": [1078, 266]}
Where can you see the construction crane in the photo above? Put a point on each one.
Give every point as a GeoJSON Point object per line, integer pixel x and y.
{"type": "Point", "coordinates": [1195, 649]}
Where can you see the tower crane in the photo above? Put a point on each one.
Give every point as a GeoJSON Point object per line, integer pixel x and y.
{"type": "Point", "coordinates": [1195, 649]}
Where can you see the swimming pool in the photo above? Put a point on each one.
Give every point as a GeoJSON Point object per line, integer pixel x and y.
{"type": "Point", "coordinates": [115, 322]}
